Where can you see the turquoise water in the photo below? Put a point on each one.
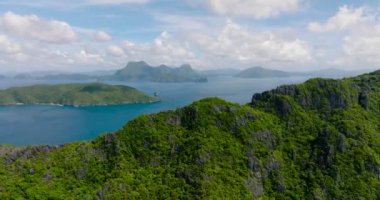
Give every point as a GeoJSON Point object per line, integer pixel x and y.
{"type": "Point", "coordinates": [36, 124]}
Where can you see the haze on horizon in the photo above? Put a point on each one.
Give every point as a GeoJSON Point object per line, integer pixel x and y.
{"type": "Point", "coordinates": [90, 35]}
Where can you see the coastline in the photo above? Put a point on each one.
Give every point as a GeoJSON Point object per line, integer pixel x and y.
{"type": "Point", "coordinates": [80, 105]}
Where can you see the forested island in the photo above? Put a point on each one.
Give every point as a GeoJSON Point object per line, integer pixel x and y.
{"type": "Point", "coordinates": [78, 94]}
{"type": "Point", "coordinates": [141, 71]}
{"type": "Point", "coordinates": [316, 140]}
{"type": "Point", "coordinates": [260, 72]}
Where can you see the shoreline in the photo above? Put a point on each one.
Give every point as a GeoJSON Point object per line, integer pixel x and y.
{"type": "Point", "coordinates": [80, 105]}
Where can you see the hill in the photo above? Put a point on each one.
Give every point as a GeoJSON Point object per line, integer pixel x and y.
{"type": "Point", "coordinates": [260, 72]}
{"type": "Point", "coordinates": [316, 140]}
{"type": "Point", "coordinates": [141, 71]}
{"type": "Point", "coordinates": [81, 94]}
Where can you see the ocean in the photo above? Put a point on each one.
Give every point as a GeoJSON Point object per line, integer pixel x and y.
{"type": "Point", "coordinates": [40, 124]}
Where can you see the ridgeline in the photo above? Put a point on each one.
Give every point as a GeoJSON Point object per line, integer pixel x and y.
{"type": "Point", "coordinates": [316, 140]}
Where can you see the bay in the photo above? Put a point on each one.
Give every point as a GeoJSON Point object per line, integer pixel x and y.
{"type": "Point", "coordinates": [40, 124]}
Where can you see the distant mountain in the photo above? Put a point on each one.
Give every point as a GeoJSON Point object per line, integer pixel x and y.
{"type": "Point", "coordinates": [260, 72]}
{"type": "Point", "coordinates": [23, 76]}
{"type": "Point", "coordinates": [74, 77]}
{"type": "Point", "coordinates": [316, 140]}
{"type": "Point", "coordinates": [83, 94]}
{"type": "Point", "coordinates": [141, 71]}
{"type": "Point", "coordinates": [219, 72]}
{"type": "Point", "coordinates": [2, 77]}
{"type": "Point", "coordinates": [99, 73]}
{"type": "Point", "coordinates": [335, 73]}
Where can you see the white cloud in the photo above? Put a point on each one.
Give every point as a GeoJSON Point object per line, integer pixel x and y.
{"type": "Point", "coordinates": [164, 49]}
{"type": "Point", "coordinates": [7, 46]}
{"type": "Point", "coordinates": [207, 45]}
{"type": "Point", "coordinates": [238, 46]}
{"type": "Point", "coordinates": [115, 50]}
{"type": "Point", "coordinates": [36, 28]}
{"type": "Point", "coordinates": [102, 36]}
{"type": "Point", "coordinates": [361, 49]}
{"type": "Point", "coordinates": [89, 57]}
{"type": "Point", "coordinates": [346, 18]}
{"type": "Point", "coordinates": [259, 9]}
{"type": "Point", "coordinates": [29, 42]}
{"type": "Point", "coordinates": [360, 43]}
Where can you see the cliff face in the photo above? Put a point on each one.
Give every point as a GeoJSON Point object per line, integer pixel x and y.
{"type": "Point", "coordinates": [317, 140]}
{"type": "Point", "coordinates": [323, 95]}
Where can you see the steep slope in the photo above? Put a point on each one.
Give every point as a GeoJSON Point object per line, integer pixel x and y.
{"type": "Point", "coordinates": [141, 71]}
{"type": "Point", "coordinates": [317, 140]}
{"type": "Point", "coordinates": [83, 94]}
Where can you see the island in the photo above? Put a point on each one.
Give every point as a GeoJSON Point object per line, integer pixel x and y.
{"type": "Point", "coordinates": [78, 94]}
{"type": "Point", "coordinates": [316, 140]}
{"type": "Point", "coordinates": [261, 72]}
{"type": "Point", "coordinates": [141, 71]}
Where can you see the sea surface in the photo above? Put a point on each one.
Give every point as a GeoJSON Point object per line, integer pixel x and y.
{"type": "Point", "coordinates": [39, 124]}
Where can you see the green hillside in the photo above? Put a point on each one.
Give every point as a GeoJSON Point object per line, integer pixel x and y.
{"type": "Point", "coordinates": [317, 140]}
{"type": "Point", "coordinates": [79, 94]}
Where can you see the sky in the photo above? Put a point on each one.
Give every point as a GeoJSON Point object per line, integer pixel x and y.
{"type": "Point", "coordinates": [89, 35]}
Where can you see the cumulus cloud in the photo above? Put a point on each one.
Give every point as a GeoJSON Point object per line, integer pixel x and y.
{"type": "Point", "coordinates": [360, 44]}
{"type": "Point", "coordinates": [344, 19]}
{"type": "Point", "coordinates": [237, 45]}
{"type": "Point", "coordinates": [29, 40]}
{"type": "Point", "coordinates": [164, 49]}
{"type": "Point", "coordinates": [7, 46]}
{"type": "Point", "coordinates": [259, 9]}
{"type": "Point", "coordinates": [115, 50]}
{"type": "Point", "coordinates": [36, 28]}
{"type": "Point", "coordinates": [226, 45]}
{"type": "Point", "coordinates": [102, 36]}
{"type": "Point", "coordinates": [361, 48]}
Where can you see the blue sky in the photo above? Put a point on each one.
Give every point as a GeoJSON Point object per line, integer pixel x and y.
{"type": "Point", "coordinates": [85, 35]}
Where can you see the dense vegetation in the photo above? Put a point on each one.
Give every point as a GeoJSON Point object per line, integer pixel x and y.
{"type": "Point", "coordinates": [260, 72]}
{"type": "Point", "coordinates": [141, 71]}
{"type": "Point", "coordinates": [81, 94]}
{"type": "Point", "coordinates": [317, 140]}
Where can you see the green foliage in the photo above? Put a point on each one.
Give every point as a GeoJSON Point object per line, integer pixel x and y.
{"type": "Point", "coordinates": [317, 140]}
{"type": "Point", "coordinates": [74, 94]}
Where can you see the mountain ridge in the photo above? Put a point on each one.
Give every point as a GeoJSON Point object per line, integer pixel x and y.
{"type": "Point", "coordinates": [316, 140]}
{"type": "Point", "coordinates": [141, 71]}
{"type": "Point", "coordinates": [261, 72]}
